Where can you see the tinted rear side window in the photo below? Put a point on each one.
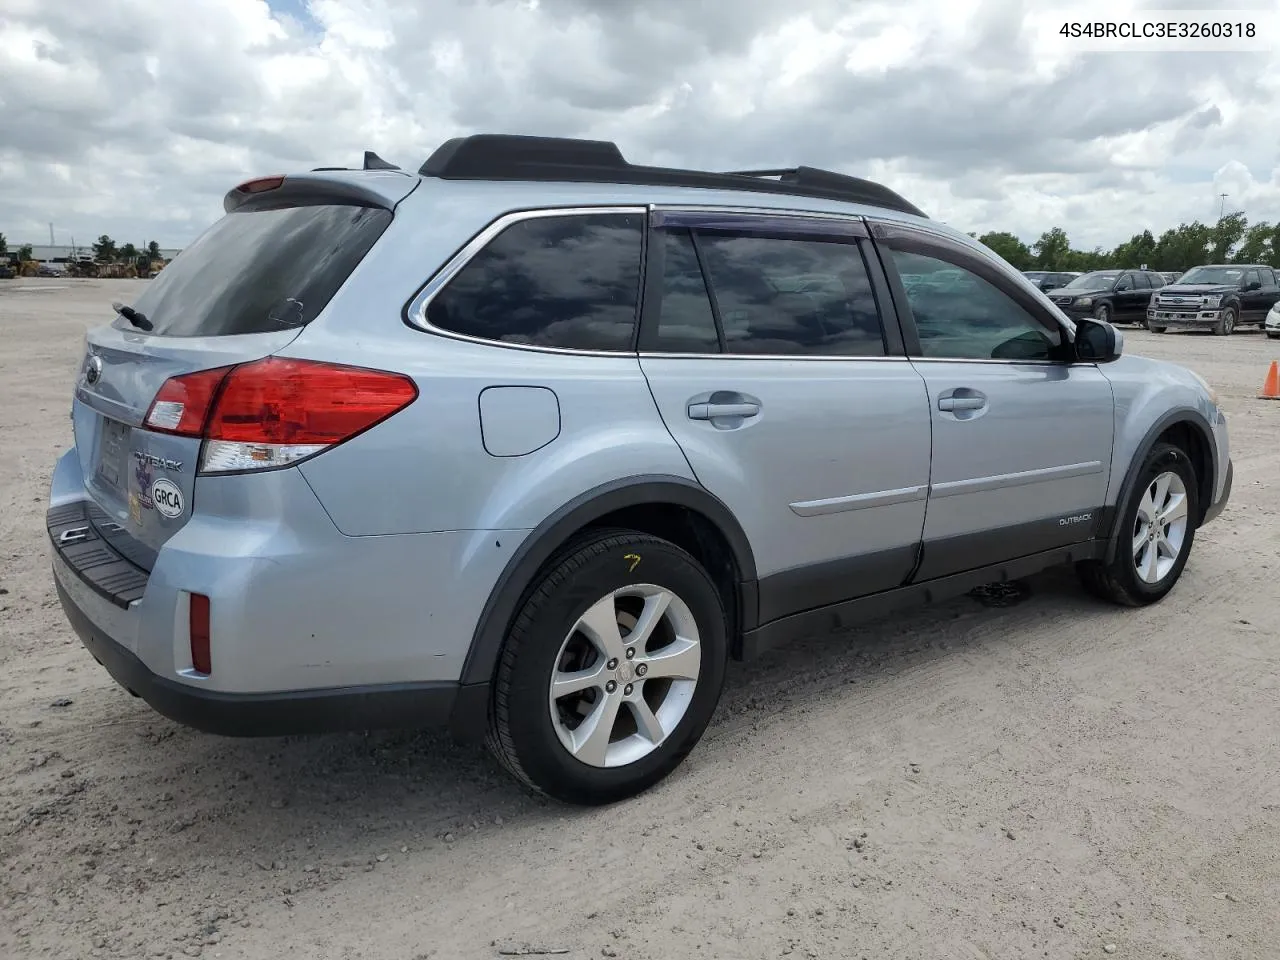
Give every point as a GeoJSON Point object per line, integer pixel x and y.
{"type": "Point", "coordinates": [260, 271]}
{"type": "Point", "coordinates": [571, 282]}
{"type": "Point", "coordinates": [686, 323]}
{"type": "Point", "coordinates": [792, 297]}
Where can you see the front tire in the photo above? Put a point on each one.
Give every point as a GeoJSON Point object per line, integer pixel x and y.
{"type": "Point", "coordinates": [1227, 325]}
{"type": "Point", "coordinates": [611, 671]}
{"type": "Point", "coordinates": [1273, 336]}
{"type": "Point", "coordinates": [1157, 530]}
{"type": "Point", "coordinates": [1102, 312]}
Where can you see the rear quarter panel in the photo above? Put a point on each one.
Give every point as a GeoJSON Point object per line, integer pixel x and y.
{"type": "Point", "coordinates": [427, 469]}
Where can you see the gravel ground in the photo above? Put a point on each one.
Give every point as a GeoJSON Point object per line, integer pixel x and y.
{"type": "Point", "coordinates": [1054, 779]}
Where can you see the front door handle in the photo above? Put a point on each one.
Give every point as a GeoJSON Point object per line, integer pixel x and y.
{"type": "Point", "coordinates": [711, 411]}
{"type": "Point", "coordinates": [951, 404]}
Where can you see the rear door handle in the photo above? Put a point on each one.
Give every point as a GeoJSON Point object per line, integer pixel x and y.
{"type": "Point", "coordinates": [710, 411]}
{"type": "Point", "coordinates": [952, 404]}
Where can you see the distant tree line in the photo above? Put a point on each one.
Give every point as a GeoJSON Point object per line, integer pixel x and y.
{"type": "Point", "coordinates": [1230, 240]}
{"type": "Point", "coordinates": [106, 251]}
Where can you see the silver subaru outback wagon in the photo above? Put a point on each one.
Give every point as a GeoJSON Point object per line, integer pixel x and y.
{"type": "Point", "coordinates": [530, 442]}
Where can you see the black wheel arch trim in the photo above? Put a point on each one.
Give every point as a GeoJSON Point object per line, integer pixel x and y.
{"type": "Point", "coordinates": [1172, 418]}
{"type": "Point", "coordinates": [550, 535]}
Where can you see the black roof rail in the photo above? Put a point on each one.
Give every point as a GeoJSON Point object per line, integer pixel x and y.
{"type": "Point", "coordinates": [489, 156]}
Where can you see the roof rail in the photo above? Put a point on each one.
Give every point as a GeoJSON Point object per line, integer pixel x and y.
{"type": "Point", "coordinates": [489, 156]}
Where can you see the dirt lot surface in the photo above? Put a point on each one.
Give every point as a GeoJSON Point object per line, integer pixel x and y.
{"type": "Point", "coordinates": [1054, 779]}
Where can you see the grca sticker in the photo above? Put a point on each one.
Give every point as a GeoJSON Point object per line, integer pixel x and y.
{"type": "Point", "coordinates": [167, 498]}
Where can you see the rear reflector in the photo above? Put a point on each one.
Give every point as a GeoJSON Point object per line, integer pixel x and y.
{"type": "Point", "coordinates": [276, 411]}
{"type": "Point", "coordinates": [199, 630]}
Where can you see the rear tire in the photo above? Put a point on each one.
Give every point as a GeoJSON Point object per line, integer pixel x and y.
{"type": "Point", "coordinates": [633, 709]}
{"type": "Point", "coordinates": [1157, 530]}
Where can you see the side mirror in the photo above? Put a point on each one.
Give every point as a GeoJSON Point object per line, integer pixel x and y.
{"type": "Point", "coordinates": [1253, 285]}
{"type": "Point", "coordinates": [1097, 341]}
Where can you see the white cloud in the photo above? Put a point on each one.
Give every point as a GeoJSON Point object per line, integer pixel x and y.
{"type": "Point", "coordinates": [136, 120]}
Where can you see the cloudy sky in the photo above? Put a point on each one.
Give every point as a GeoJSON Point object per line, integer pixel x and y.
{"type": "Point", "coordinates": [133, 121]}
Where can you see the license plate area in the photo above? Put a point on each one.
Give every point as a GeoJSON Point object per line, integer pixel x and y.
{"type": "Point", "coordinates": [113, 454]}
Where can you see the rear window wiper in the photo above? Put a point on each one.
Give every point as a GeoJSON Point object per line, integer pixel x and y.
{"type": "Point", "coordinates": [132, 315]}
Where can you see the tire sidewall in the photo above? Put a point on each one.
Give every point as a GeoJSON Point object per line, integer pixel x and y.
{"type": "Point", "coordinates": [1162, 458]}
{"type": "Point", "coordinates": [1229, 321]}
{"type": "Point", "coordinates": [549, 618]}
{"type": "Point", "coordinates": [1102, 312]}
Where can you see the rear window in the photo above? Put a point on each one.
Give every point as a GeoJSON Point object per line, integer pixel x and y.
{"type": "Point", "coordinates": [257, 271]}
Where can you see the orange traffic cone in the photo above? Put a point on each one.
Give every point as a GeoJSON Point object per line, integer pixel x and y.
{"type": "Point", "coordinates": [1271, 385]}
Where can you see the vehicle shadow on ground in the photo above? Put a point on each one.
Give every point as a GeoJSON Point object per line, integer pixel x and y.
{"type": "Point", "coordinates": [277, 796]}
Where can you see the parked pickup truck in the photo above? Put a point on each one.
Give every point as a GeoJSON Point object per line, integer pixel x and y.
{"type": "Point", "coordinates": [1218, 297]}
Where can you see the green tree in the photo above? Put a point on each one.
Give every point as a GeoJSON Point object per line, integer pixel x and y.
{"type": "Point", "coordinates": [1052, 250]}
{"type": "Point", "coordinates": [1134, 252]}
{"type": "Point", "coordinates": [25, 252]}
{"type": "Point", "coordinates": [1184, 247]}
{"type": "Point", "coordinates": [128, 253]}
{"type": "Point", "coordinates": [1256, 246]}
{"type": "Point", "coordinates": [153, 250]}
{"type": "Point", "coordinates": [104, 251]}
{"type": "Point", "coordinates": [1087, 260]}
{"type": "Point", "coordinates": [1005, 245]}
{"type": "Point", "coordinates": [1225, 234]}
{"type": "Point", "coordinates": [4, 246]}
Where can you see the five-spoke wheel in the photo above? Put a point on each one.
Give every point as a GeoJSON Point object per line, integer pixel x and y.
{"type": "Point", "coordinates": [625, 675]}
{"type": "Point", "coordinates": [611, 670]}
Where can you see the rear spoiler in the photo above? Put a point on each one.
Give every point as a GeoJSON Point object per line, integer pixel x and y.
{"type": "Point", "coordinates": [353, 188]}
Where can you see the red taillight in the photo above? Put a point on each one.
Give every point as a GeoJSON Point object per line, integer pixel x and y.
{"type": "Point", "coordinates": [276, 411]}
{"type": "Point", "coordinates": [183, 403]}
{"type": "Point", "coordinates": [198, 627]}
{"type": "Point", "coordinates": [260, 185]}
{"type": "Point", "coordinates": [281, 401]}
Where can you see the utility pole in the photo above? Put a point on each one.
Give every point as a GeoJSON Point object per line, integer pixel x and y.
{"type": "Point", "coordinates": [51, 234]}
{"type": "Point", "coordinates": [1222, 204]}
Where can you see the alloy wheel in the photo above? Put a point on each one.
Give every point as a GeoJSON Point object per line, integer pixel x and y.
{"type": "Point", "coordinates": [1160, 528]}
{"type": "Point", "coordinates": [625, 675]}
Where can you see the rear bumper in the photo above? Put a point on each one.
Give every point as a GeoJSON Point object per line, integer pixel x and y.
{"type": "Point", "coordinates": [380, 706]}
{"type": "Point", "coordinates": [311, 630]}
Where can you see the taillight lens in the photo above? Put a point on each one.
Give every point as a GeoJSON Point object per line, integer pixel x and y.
{"type": "Point", "coordinates": [261, 184]}
{"type": "Point", "coordinates": [277, 411]}
{"type": "Point", "coordinates": [182, 405]}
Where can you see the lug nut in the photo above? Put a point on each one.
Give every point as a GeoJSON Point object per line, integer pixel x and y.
{"type": "Point", "coordinates": [611, 686]}
{"type": "Point", "coordinates": [613, 664]}
{"type": "Point", "coordinates": [631, 653]}
{"type": "Point", "coordinates": [641, 669]}
{"type": "Point", "coordinates": [627, 690]}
